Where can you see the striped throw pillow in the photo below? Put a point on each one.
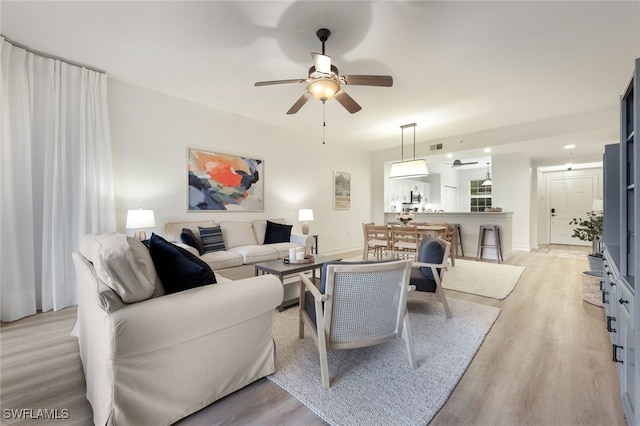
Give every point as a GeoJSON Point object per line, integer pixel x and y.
{"type": "Point", "coordinates": [211, 239]}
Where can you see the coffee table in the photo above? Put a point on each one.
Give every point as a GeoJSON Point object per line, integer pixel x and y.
{"type": "Point", "coordinates": [281, 270]}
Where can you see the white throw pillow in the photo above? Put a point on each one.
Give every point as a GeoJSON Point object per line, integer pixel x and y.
{"type": "Point", "coordinates": [125, 272]}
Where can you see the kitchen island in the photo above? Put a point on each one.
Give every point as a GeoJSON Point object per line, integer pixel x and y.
{"type": "Point", "coordinates": [469, 228]}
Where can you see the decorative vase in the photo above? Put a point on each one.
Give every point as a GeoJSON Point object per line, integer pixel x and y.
{"type": "Point", "coordinates": [595, 263]}
{"type": "Point", "coordinates": [591, 288]}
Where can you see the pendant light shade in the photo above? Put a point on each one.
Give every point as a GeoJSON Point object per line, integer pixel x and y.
{"type": "Point", "coordinates": [487, 180]}
{"type": "Point", "coordinates": [410, 168]}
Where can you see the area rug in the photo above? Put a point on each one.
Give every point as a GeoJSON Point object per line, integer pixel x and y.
{"type": "Point", "coordinates": [376, 385]}
{"type": "Point", "coordinates": [495, 280]}
{"type": "Point", "coordinates": [555, 250]}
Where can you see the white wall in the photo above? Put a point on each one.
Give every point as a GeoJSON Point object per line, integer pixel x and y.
{"type": "Point", "coordinates": [151, 131]}
{"type": "Point", "coordinates": [511, 190]}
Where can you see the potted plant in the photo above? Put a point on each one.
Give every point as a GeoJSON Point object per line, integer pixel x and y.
{"type": "Point", "coordinates": [590, 229]}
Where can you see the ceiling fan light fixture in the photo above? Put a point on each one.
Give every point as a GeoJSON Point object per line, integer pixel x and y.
{"type": "Point", "coordinates": [323, 89]}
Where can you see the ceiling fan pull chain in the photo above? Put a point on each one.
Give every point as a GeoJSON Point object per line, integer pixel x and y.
{"type": "Point", "coordinates": [324, 123]}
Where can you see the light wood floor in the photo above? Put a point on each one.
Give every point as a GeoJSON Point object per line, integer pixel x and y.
{"type": "Point", "coordinates": [546, 361]}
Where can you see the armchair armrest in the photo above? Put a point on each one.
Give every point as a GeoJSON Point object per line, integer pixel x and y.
{"type": "Point", "coordinates": [443, 265]}
{"type": "Point", "coordinates": [305, 283]}
{"type": "Point", "coordinates": [168, 320]}
{"type": "Point", "coordinates": [304, 240]}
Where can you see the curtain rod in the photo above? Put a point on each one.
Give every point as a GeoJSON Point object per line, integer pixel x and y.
{"type": "Point", "coordinates": [57, 58]}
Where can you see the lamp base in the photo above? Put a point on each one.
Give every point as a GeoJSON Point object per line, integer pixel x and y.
{"type": "Point", "coordinates": [140, 235]}
{"type": "Point", "coordinates": [305, 228]}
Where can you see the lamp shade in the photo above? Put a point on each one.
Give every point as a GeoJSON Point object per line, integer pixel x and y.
{"type": "Point", "coordinates": [137, 219]}
{"type": "Point", "coordinates": [305, 215]}
{"type": "Point", "coordinates": [408, 169]}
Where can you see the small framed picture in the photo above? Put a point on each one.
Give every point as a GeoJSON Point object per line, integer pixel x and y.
{"type": "Point", "coordinates": [341, 190]}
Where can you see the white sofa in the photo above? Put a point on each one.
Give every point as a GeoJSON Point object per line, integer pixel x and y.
{"type": "Point", "coordinates": [159, 359]}
{"type": "Point", "coordinates": [244, 242]}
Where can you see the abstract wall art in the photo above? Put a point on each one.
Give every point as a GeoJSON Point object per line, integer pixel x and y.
{"type": "Point", "coordinates": [224, 182]}
{"type": "Point", "coordinates": [341, 190]}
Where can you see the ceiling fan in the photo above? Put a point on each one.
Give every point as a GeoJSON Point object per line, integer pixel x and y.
{"type": "Point", "coordinates": [458, 163]}
{"type": "Point", "coordinates": [325, 82]}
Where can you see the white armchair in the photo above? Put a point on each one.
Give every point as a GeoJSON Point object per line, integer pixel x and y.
{"type": "Point", "coordinates": [158, 360]}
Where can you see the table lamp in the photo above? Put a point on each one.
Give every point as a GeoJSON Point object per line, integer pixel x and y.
{"type": "Point", "coordinates": [138, 219]}
{"type": "Point", "coordinates": [305, 216]}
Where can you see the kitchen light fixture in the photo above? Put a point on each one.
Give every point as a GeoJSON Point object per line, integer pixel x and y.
{"type": "Point", "coordinates": [487, 180]}
{"type": "Point", "coordinates": [137, 219]}
{"type": "Point", "coordinates": [305, 216]}
{"type": "Point", "coordinates": [411, 168]}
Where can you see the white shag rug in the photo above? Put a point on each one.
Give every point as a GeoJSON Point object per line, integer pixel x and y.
{"type": "Point", "coordinates": [376, 385]}
{"type": "Point", "coordinates": [495, 280]}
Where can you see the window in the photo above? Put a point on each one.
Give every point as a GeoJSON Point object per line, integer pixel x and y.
{"type": "Point", "coordinates": [479, 195]}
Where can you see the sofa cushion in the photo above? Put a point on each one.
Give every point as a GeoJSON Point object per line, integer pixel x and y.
{"type": "Point", "coordinates": [238, 234]}
{"type": "Point", "coordinates": [222, 259]}
{"type": "Point", "coordinates": [277, 233]}
{"type": "Point", "coordinates": [188, 237]}
{"type": "Point", "coordinates": [211, 239]}
{"type": "Point", "coordinates": [260, 228]}
{"type": "Point", "coordinates": [283, 248]}
{"type": "Point", "coordinates": [256, 253]}
{"type": "Point", "coordinates": [177, 268]}
{"type": "Point", "coordinates": [122, 264]}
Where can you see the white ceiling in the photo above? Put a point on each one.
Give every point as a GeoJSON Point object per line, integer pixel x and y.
{"type": "Point", "coordinates": [470, 74]}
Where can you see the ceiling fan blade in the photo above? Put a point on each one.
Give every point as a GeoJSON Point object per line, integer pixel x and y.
{"type": "Point", "coordinates": [301, 101]}
{"type": "Point", "coordinates": [322, 63]}
{"type": "Point", "coordinates": [268, 83]}
{"type": "Point", "coordinates": [369, 80]}
{"type": "Point", "coordinates": [347, 102]}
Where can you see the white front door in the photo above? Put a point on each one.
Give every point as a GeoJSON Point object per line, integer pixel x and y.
{"type": "Point", "coordinates": [568, 198]}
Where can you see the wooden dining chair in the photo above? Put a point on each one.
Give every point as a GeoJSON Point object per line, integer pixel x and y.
{"type": "Point", "coordinates": [404, 241]}
{"type": "Point", "coordinates": [376, 240]}
{"type": "Point", "coordinates": [449, 236]}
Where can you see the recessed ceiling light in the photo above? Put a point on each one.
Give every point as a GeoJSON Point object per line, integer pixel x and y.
{"type": "Point", "coordinates": [570, 146]}
{"type": "Point", "coordinates": [487, 150]}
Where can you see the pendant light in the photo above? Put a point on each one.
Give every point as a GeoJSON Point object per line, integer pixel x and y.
{"type": "Point", "coordinates": [487, 180]}
{"type": "Point", "coordinates": [410, 168]}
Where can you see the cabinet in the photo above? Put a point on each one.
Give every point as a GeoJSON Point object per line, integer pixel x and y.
{"type": "Point", "coordinates": [622, 248]}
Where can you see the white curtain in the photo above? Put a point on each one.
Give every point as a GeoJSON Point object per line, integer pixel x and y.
{"type": "Point", "coordinates": [56, 179]}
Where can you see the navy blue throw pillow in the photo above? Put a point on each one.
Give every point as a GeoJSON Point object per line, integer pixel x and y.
{"type": "Point", "coordinates": [189, 238]}
{"type": "Point", "coordinates": [277, 233]}
{"type": "Point", "coordinates": [430, 251]}
{"type": "Point", "coordinates": [177, 268]}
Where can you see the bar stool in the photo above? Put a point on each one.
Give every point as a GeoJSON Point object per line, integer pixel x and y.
{"type": "Point", "coordinates": [481, 241]}
{"type": "Point", "coordinates": [458, 240]}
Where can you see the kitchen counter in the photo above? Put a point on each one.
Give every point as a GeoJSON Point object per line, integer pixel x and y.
{"type": "Point", "coordinates": [469, 227]}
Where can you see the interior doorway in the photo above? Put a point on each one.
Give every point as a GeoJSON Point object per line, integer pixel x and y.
{"type": "Point", "coordinates": [450, 199]}
{"type": "Point", "coordinates": [569, 197]}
